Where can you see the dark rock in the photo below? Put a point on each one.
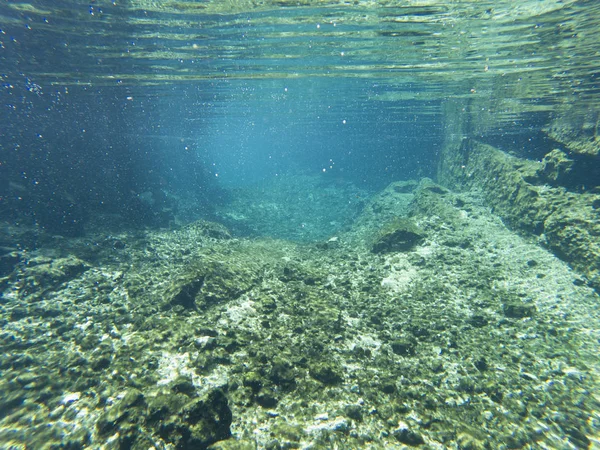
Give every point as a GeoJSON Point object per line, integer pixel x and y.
{"type": "Point", "coordinates": [8, 261]}
{"type": "Point", "coordinates": [183, 385]}
{"type": "Point", "coordinates": [11, 399]}
{"type": "Point", "coordinates": [202, 331]}
{"type": "Point", "coordinates": [101, 363]}
{"type": "Point", "coordinates": [477, 321]}
{"type": "Point", "coordinates": [186, 296]}
{"type": "Point", "coordinates": [518, 310]}
{"type": "Point", "coordinates": [203, 422]}
{"type": "Point", "coordinates": [22, 360]}
{"type": "Point", "coordinates": [354, 412]}
{"type": "Point", "coordinates": [189, 424]}
{"type": "Point", "coordinates": [399, 236]}
{"type": "Point", "coordinates": [230, 345]}
{"type": "Point", "coordinates": [404, 187]}
{"type": "Point", "coordinates": [283, 374]}
{"type": "Point", "coordinates": [18, 313]}
{"type": "Point", "coordinates": [408, 437]}
{"type": "Point", "coordinates": [579, 439]}
{"type": "Point", "coordinates": [47, 312]}
{"type": "Point", "coordinates": [273, 445]}
{"type": "Point", "coordinates": [437, 367]}
{"type": "Point", "coordinates": [266, 401]}
{"type": "Point", "coordinates": [388, 388]}
{"type": "Point", "coordinates": [162, 405]}
{"type": "Point", "coordinates": [420, 332]}
{"type": "Point", "coordinates": [110, 421]}
{"type": "Point", "coordinates": [254, 381]}
{"type": "Point", "coordinates": [403, 347]}
{"type": "Point", "coordinates": [481, 364]}
{"type": "Point", "coordinates": [325, 373]}
{"type": "Point", "coordinates": [436, 189]}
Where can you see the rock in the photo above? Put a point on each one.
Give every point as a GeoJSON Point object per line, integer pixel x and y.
{"type": "Point", "coordinates": [514, 187]}
{"type": "Point", "coordinates": [8, 261]}
{"type": "Point", "coordinates": [124, 409]}
{"type": "Point", "coordinates": [266, 400]}
{"type": "Point", "coordinates": [556, 167]}
{"type": "Point", "coordinates": [186, 296]}
{"type": "Point", "coordinates": [468, 441]}
{"type": "Point", "coordinates": [273, 445]}
{"type": "Point", "coordinates": [325, 373]}
{"type": "Point", "coordinates": [224, 282]}
{"type": "Point", "coordinates": [207, 419]}
{"type": "Point", "coordinates": [388, 388]}
{"type": "Point", "coordinates": [518, 310]}
{"type": "Point", "coordinates": [404, 187]}
{"type": "Point", "coordinates": [210, 229]}
{"type": "Point", "coordinates": [190, 424]}
{"type": "Point", "coordinates": [404, 346]}
{"type": "Point", "coordinates": [578, 134]}
{"type": "Point", "coordinates": [254, 381]}
{"type": "Point", "coordinates": [578, 438]}
{"type": "Point", "coordinates": [481, 364]}
{"type": "Point", "coordinates": [399, 236]}
{"type": "Point", "coordinates": [210, 284]}
{"type": "Point", "coordinates": [101, 363]}
{"type": "Point", "coordinates": [354, 412]}
{"type": "Point", "coordinates": [183, 385]}
{"type": "Point", "coordinates": [502, 180]}
{"type": "Point", "coordinates": [282, 373]}
{"type": "Point", "coordinates": [478, 320]}
{"type": "Point", "coordinates": [183, 419]}
{"type": "Point", "coordinates": [407, 436]}
{"type": "Point", "coordinates": [432, 200]}
{"type": "Point", "coordinates": [43, 273]}
{"type": "Point", "coordinates": [572, 234]}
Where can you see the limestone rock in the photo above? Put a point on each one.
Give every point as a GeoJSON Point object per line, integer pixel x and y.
{"type": "Point", "coordinates": [556, 167]}
{"type": "Point", "coordinates": [569, 222]}
{"type": "Point", "coordinates": [399, 236]}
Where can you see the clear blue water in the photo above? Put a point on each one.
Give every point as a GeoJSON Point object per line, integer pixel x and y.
{"type": "Point", "coordinates": [138, 137]}
{"type": "Point", "coordinates": [103, 102]}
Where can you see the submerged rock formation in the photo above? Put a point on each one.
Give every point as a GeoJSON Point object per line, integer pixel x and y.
{"type": "Point", "coordinates": [567, 222]}
{"type": "Point", "coordinates": [192, 339]}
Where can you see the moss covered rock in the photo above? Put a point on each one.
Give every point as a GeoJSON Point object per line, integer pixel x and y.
{"type": "Point", "coordinates": [398, 236]}
{"type": "Point", "coordinates": [326, 373]}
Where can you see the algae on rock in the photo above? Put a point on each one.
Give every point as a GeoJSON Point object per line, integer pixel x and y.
{"type": "Point", "coordinates": [398, 236]}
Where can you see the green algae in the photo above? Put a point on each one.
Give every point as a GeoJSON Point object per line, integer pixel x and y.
{"type": "Point", "coordinates": [474, 337]}
{"type": "Point", "coordinates": [399, 235]}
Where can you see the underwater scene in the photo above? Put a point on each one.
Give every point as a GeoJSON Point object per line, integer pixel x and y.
{"type": "Point", "coordinates": [299, 224]}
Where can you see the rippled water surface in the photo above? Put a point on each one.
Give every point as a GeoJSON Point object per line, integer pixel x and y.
{"type": "Point", "coordinates": [524, 56]}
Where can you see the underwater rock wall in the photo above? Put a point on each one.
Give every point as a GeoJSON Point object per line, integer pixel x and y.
{"type": "Point", "coordinates": [527, 194]}
{"type": "Point", "coordinates": [577, 132]}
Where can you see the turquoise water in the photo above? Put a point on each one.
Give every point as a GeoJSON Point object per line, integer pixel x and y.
{"type": "Point", "coordinates": [301, 224]}
{"type": "Point", "coordinates": [244, 91]}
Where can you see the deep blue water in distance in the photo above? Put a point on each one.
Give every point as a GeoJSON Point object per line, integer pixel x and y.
{"type": "Point", "coordinates": [94, 150]}
{"type": "Point", "coordinates": [280, 222]}
{"type": "Point", "coordinates": [107, 104]}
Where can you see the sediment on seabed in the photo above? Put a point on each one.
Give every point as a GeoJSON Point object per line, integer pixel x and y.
{"type": "Point", "coordinates": [427, 323]}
